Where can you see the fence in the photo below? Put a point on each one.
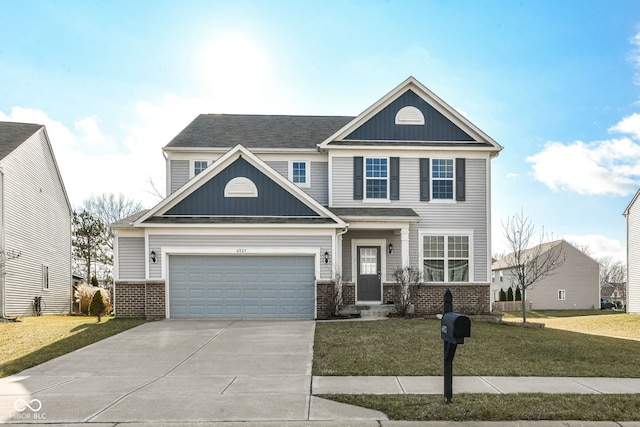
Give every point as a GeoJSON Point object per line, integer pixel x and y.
{"type": "Point", "coordinates": [510, 306]}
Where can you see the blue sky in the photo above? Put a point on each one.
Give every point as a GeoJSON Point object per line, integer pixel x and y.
{"type": "Point", "coordinates": [555, 82]}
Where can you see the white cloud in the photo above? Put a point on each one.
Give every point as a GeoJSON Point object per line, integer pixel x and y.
{"type": "Point", "coordinates": [600, 246]}
{"type": "Point", "coordinates": [88, 158]}
{"type": "Point", "coordinates": [629, 125]}
{"type": "Point", "coordinates": [596, 168]}
{"type": "Point", "coordinates": [512, 175]}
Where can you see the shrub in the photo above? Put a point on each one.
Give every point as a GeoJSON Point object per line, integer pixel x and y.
{"type": "Point", "coordinates": [518, 295]}
{"type": "Point", "coordinates": [510, 294]}
{"type": "Point", "coordinates": [98, 305]}
{"type": "Point", "coordinates": [407, 279]}
{"type": "Point", "coordinates": [84, 295]}
{"type": "Point", "coordinates": [503, 295]}
{"type": "Point", "coordinates": [94, 280]}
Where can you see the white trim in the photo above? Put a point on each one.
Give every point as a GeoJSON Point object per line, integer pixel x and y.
{"type": "Point", "coordinates": [192, 166]}
{"type": "Point", "coordinates": [240, 186]}
{"type": "Point", "coordinates": [220, 165]}
{"type": "Point", "coordinates": [429, 97]}
{"type": "Point", "coordinates": [366, 199]}
{"type": "Point", "coordinates": [446, 233]}
{"type": "Point", "coordinates": [167, 251]}
{"type": "Point", "coordinates": [382, 243]}
{"type": "Point", "coordinates": [488, 215]}
{"type": "Point", "coordinates": [453, 180]}
{"type": "Point", "coordinates": [307, 177]}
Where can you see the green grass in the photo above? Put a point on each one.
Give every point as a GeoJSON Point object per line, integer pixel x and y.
{"type": "Point", "coordinates": [414, 347]}
{"type": "Point", "coordinates": [35, 340]}
{"type": "Point", "coordinates": [502, 407]}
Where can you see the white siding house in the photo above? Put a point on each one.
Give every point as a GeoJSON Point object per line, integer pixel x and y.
{"type": "Point", "coordinates": [35, 223]}
{"type": "Point", "coordinates": [632, 213]}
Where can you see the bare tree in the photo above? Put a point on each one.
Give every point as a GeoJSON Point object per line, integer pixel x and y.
{"type": "Point", "coordinates": [612, 271]}
{"type": "Point", "coordinates": [407, 279]}
{"type": "Point", "coordinates": [528, 265]}
{"type": "Point", "coordinates": [154, 190]}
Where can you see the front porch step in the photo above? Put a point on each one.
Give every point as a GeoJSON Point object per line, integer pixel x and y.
{"type": "Point", "coordinates": [370, 311]}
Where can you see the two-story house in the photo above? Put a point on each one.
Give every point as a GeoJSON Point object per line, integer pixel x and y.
{"type": "Point", "coordinates": [264, 212]}
{"type": "Point", "coordinates": [35, 224]}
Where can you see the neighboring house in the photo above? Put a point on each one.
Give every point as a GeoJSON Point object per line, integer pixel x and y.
{"type": "Point", "coordinates": [572, 286]}
{"type": "Point", "coordinates": [614, 292]}
{"type": "Point", "coordinates": [264, 212]}
{"type": "Point", "coordinates": [632, 213]}
{"type": "Point", "coordinates": [35, 223]}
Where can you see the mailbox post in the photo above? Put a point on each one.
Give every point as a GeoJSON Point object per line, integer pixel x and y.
{"type": "Point", "coordinates": [454, 329]}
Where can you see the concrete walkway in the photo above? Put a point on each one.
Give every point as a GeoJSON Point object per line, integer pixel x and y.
{"type": "Point", "coordinates": [491, 385]}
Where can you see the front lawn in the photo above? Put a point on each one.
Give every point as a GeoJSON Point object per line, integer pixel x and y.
{"type": "Point", "coordinates": [35, 340]}
{"type": "Point", "coordinates": [414, 347]}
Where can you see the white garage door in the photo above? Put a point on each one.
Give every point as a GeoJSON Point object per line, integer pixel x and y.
{"type": "Point", "coordinates": [241, 287]}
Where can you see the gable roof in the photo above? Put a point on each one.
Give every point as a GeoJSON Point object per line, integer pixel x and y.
{"type": "Point", "coordinates": [163, 210]}
{"type": "Point", "coordinates": [12, 134]}
{"type": "Point", "coordinates": [468, 135]}
{"type": "Point", "coordinates": [224, 131]}
{"type": "Point", "coordinates": [628, 209]}
{"type": "Point", "coordinates": [507, 260]}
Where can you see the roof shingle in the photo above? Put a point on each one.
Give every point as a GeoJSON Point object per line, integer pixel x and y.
{"type": "Point", "coordinates": [13, 134]}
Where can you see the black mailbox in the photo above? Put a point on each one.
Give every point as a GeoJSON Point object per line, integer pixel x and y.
{"type": "Point", "coordinates": [455, 328]}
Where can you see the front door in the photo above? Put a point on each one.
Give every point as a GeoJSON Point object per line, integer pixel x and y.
{"type": "Point", "coordinates": [369, 288]}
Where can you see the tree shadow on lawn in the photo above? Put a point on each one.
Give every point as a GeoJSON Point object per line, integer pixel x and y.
{"type": "Point", "coordinates": [83, 336]}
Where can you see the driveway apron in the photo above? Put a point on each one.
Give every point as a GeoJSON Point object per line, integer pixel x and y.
{"type": "Point", "coordinates": [173, 371]}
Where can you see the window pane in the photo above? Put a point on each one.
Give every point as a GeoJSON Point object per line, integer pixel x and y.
{"type": "Point", "coordinates": [433, 270]}
{"type": "Point", "coordinates": [433, 246]}
{"type": "Point", "coordinates": [442, 168]}
{"type": "Point", "coordinates": [299, 170]}
{"type": "Point", "coordinates": [376, 188]}
{"type": "Point", "coordinates": [368, 261]}
{"type": "Point", "coordinates": [199, 166]}
{"type": "Point", "coordinates": [442, 189]}
{"type": "Point", "coordinates": [459, 271]}
{"type": "Point", "coordinates": [376, 168]}
{"type": "Point", "coordinates": [458, 246]}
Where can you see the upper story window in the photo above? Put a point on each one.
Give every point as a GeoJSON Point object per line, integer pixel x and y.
{"type": "Point", "coordinates": [376, 178]}
{"type": "Point", "coordinates": [199, 166]}
{"type": "Point", "coordinates": [442, 179]}
{"type": "Point", "coordinates": [446, 258]}
{"type": "Point", "coordinates": [299, 173]}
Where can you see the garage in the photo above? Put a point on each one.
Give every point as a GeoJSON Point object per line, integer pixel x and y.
{"type": "Point", "coordinates": [243, 286]}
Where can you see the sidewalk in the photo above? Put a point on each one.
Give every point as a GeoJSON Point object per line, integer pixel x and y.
{"type": "Point", "coordinates": [493, 385]}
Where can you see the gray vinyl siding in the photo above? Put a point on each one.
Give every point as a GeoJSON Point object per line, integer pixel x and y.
{"type": "Point", "coordinates": [131, 258]}
{"type": "Point", "coordinates": [37, 223]}
{"type": "Point", "coordinates": [468, 215]}
{"type": "Point", "coordinates": [319, 188]}
{"type": "Point", "coordinates": [633, 258]}
{"type": "Point", "coordinates": [393, 260]}
{"type": "Point", "coordinates": [158, 241]}
{"type": "Point", "coordinates": [179, 171]}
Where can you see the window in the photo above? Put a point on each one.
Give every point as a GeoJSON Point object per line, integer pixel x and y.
{"type": "Point", "coordinates": [199, 166]}
{"type": "Point", "coordinates": [562, 295]}
{"type": "Point", "coordinates": [299, 173]}
{"type": "Point", "coordinates": [446, 258]}
{"type": "Point", "coordinates": [442, 179]}
{"type": "Point", "coordinates": [501, 276]}
{"type": "Point", "coordinates": [493, 276]}
{"type": "Point", "coordinates": [45, 277]}
{"type": "Point", "coordinates": [376, 178]}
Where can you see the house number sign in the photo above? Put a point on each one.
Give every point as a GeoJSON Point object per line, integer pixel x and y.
{"type": "Point", "coordinates": [241, 251]}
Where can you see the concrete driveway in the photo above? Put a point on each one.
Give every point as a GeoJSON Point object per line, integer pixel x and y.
{"type": "Point", "coordinates": [179, 371]}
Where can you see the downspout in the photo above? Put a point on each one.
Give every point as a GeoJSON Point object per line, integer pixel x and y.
{"type": "Point", "coordinates": [338, 251]}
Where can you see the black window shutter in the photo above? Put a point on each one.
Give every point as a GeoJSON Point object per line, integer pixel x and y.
{"type": "Point", "coordinates": [424, 180]}
{"type": "Point", "coordinates": [460, 180]}
{"type": "Point", "coordinates": [357, 178]}
{"type": "Point", "coordinates": [394, 183]}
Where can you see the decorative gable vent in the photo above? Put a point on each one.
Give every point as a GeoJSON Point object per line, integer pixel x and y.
{"type": "Point", "coordinates": [240, 187]}
{"type": "Point", "coordinates": [409, 116]}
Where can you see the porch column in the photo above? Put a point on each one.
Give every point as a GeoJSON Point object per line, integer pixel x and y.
{"type": "Point", "coordinates": [404, 246]}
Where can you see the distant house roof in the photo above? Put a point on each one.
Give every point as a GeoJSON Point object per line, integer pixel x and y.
{"type": "Point", "coordinates": [507, 261]}
{"type": "Point", "coordinates": [257, 131]}
{"type": "Point", "coordinates": [128, 221]}
{"type": "Point", "coordinates": [13, 134]}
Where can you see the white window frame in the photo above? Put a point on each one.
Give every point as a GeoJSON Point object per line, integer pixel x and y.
{"type": "Point", "coordinates": [365, 179]}
{"type": "Point", "coordinates": [562, 295]}
{"type": "Point", "coordinates": [452, 179]}
{"type": "Point", "coordinates": [45, 278]}
{"type": "Point", "coordinates": [307, 178]}
{"type": "Point", "coordinates": [193, 166]}
{"type": "Point", "coordinates": [446, 234]}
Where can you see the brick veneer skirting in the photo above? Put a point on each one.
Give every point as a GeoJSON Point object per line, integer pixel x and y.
{"type": "Point", "coordinates": [140, 299]}
{"type": "Point", "coordinates": [428, 298]}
